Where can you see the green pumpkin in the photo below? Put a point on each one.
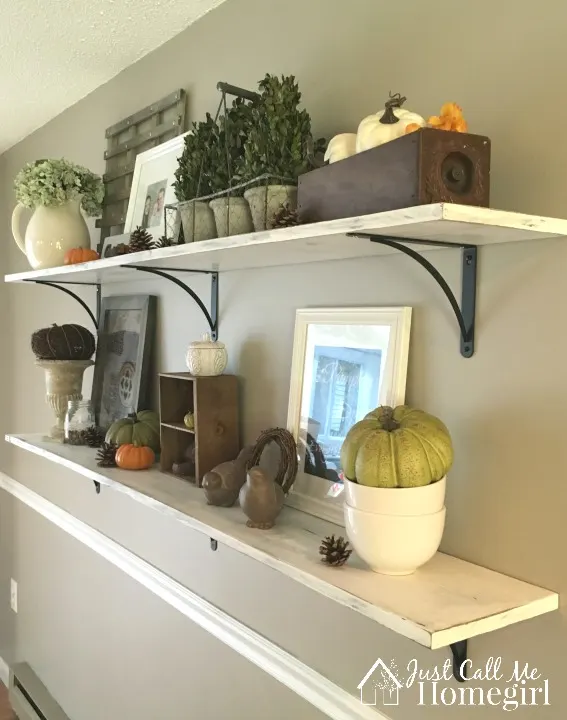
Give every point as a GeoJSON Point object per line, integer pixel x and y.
{"type": "Point", "coordinates": [397, 448]}
{"type": "Point", "coordinates": [137, 429]}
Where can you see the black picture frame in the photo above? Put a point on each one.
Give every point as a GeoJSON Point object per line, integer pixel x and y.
{"type": "Point", "coordinates": [122, 372]}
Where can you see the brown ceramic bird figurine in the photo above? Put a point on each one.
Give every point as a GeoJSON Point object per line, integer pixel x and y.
{"type": "Point", "coordinates": [261, 499]}
{"type": "Point", "coordinates": [222, 484]}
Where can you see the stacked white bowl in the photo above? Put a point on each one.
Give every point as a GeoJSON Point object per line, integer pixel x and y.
{"type": "Point", "coordinates": [395, 530]}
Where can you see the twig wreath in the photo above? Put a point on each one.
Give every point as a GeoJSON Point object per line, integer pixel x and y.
{"type": "Point", "coordinates": [287, 468]}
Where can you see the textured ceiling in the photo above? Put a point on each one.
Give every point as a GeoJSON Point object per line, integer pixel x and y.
{"type": "Point", "coordinates": [54, 52]}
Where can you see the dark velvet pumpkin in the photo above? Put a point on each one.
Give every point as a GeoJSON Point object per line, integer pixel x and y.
{"type": "Point", "coordinates": [63, 342]}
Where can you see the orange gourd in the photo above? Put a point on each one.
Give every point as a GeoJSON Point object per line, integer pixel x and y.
{"type": "Point", "coordinates": [134, 457]}
{"type": "Point", "coordinates": [450, 118]}
{"type": "Point", "coordinates": [80, 255]}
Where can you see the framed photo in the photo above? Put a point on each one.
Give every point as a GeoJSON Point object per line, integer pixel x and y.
{"type": "Point", "coordinates": [111, 245]}
{"type": "Point", "coordinates": [122, 373]}
{"type": "Point", "coordinates": [346, 362]}
{"type": "Point", "coordinates": [152, 187]}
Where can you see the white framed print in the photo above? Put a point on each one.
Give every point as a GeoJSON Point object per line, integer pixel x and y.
{"type": "Point", "coordinates": [346, 362]}
{"type": "Point", "coordinates": [152, 187]}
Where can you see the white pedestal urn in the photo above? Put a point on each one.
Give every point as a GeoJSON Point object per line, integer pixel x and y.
{"type": "Point", "coordinates": [395, 463]}
{"type": "Point", "coordinates": [232, 216]}
{"type": "Point", "coordinates": [63, 382]}
{"type": "Point", "coordinates": [197, 220]}
{"type": "Point", "coordinates": [266, 200]}
{"type": "Point", "coordinates": [51, 231]}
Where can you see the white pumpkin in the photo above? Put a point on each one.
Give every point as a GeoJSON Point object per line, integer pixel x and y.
{"type": "Point", "coordinates": [341, 147]}
{"type": "Point", "coordinates": [386, 125]}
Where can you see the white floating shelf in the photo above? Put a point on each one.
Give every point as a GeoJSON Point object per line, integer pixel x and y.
{"type": "Point", "coordinates": [317, 242]}
{"type": "Point", "coordinates": [446, 601]}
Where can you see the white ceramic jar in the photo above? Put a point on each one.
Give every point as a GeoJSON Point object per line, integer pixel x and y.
{"type": "Point", "coordinates": [206, 357]}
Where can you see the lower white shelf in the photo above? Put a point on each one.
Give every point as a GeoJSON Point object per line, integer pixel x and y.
{"type": "Point", "coordinates": [446, 601]}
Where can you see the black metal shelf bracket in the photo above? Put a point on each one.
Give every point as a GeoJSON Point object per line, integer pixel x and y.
{"type": "Point", "coordinates": [212, 318]}
{"type": "Point", "coordinates": [97, 487]}
{"type": "Point", "coordinates": [466, 313]}
{"type": "Point", "coordinates": [59, 286]}
{"type": "Point", "coordinates": [460, 655]}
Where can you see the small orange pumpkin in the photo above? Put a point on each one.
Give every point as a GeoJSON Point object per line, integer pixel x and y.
{"type": "Point", "coordinates": [80, 255]}
{"type": "Point", "coordinates": [135, 457]}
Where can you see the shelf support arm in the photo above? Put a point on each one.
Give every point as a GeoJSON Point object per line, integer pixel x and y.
{"type": "Point", "coordinates": [73, 295]}
{"type": "Point", "coordinates": [212, 317]}
{"type": "Point", "coordinates": [466, 313]}
{"type": "Point", "coordinates": [460, 655]}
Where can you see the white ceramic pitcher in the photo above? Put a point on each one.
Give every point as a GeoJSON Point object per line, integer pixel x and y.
{"type": "Point", "coordinates": [51, 231]}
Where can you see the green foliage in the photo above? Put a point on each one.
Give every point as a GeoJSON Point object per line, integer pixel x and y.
{"type": "Point", "coordinates": [280, 139]}
{"type": "Point", "coordinates": [55, 182]}
{"type": "Point", "coordinates": [269, 136]}
{"type": "Point", "coordinates": [214, 152]}
{"type": "Point", "coordinates": [190, 181]}
{"type": "Point", "coordinates": [226, 152]}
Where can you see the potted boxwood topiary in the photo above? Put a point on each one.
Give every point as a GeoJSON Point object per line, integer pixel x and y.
{"type": "Point", "coordinates": [191, 182]}
{"type": "Point", "coordinates": [226, 153]}
{"type": "Point", "coordinates": [395, 463]}
{"type": "Point", "coordinates": [277, 149]}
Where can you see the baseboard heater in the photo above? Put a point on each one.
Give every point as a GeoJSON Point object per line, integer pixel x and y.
{"type": "Point", "coordinates": [29, 697]}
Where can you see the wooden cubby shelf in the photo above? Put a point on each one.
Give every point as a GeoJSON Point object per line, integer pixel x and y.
{"type": "Point", "coordinates": [214, 404]}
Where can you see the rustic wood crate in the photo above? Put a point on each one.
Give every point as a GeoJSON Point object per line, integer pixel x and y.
{"type": "Point", "coordinates": [426, 166]}
{"type": "Point", "coordinates": [155, 124]}
{"type": "Point", "coordinates": [214, 402]}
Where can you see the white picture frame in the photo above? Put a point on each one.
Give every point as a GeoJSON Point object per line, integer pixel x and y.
{"type": "Point", "coordinates": [152, 187]}
{"type": "Point", "coordinates": [386, 329]}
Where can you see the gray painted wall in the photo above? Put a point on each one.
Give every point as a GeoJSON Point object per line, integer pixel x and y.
{"type": "Point", "coordinates": [106, 647]}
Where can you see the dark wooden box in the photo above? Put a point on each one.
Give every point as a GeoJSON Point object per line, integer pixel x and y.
{"type": "Point", "coordinates": [426, 166]}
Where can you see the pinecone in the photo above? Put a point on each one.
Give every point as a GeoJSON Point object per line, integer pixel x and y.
{"type": "Point", "coordinates": [106, 456]}
{"type": "Point", "coordinates": [94, 436]}
{"type": "Point", "coordinates": [164, 242]}
{"type": "Point", "coordinates": [335, 551]}
{"type": "Point", "coordinates": [285, 217]}
{"type": "Point", "coordinates": [140, 239]}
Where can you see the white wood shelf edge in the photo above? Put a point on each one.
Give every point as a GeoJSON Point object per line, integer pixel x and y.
{"type": "Point", "coordinates": [445, 601]}
{"type": "Point", "coordinates": [317, 242]}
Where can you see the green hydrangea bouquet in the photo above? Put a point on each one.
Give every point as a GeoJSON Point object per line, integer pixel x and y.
{"type": "Point", "coordinates": [54, 182]}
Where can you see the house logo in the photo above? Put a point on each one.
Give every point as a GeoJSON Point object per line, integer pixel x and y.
{"type": "Point", "coordinates": [382, 678]}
